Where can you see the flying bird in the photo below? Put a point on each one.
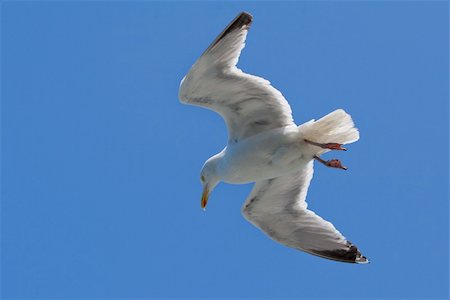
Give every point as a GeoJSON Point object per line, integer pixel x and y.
{"type": "Point", "coordinates": [265, 146]}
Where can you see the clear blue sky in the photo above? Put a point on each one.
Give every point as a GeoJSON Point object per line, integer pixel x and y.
{"type": "Point", "coordinates": [101, 163]}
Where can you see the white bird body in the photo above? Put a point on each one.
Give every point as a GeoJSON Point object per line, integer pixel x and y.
{"type": "Point", "coordinates": [266, 155]}
{"type": "Point", "coordinates": [266, 146]}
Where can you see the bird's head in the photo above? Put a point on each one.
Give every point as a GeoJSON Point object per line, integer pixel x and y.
{"type": "Point", "coordinates": [209, 179]}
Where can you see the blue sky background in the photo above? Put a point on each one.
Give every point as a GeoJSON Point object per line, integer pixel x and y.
{"type": "Point", "coordinates": [101, 163]}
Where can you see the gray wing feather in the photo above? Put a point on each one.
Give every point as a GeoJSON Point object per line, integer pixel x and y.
{"type": "Point", "coordinates": [249, 104]}
{"type": "Point", "coordinates": [277, 206]}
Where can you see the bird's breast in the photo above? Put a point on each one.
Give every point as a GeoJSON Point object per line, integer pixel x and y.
{"type": "Point", "coordinates": [264, 156]}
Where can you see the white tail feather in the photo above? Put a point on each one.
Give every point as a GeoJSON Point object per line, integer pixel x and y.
{"type": "Point", "coordinates": [336, 127]}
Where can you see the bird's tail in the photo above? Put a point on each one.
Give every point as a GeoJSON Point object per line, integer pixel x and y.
{"type": "Point", "coordinates": [336, 127]}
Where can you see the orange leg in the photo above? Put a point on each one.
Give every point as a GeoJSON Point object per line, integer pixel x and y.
{"type": "Point", "coordinates": [331, 146]}
{"type": "Point", "coordinates": [332, 163]}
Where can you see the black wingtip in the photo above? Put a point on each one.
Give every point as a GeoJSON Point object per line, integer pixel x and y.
{"type": "Point", "coordinates": [242, 20]}
{"type": "Point", "coordinates": [350, 255]}
{"type": "Point", "coordinates": [362, 260]}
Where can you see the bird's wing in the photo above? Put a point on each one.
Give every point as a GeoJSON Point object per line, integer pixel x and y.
{"type": "Point", "coordinates": [249, 104]}
{"type": "Point", "coordinates": [277, 206]}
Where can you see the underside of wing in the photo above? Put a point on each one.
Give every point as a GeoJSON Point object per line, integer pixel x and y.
{"type": "Point", "coordinates": [277, 206]}
{"type": "Point", "coordinates": [249, 104]}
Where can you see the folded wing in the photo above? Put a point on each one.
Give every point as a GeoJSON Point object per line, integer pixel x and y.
{"type": "Point", "coordinates": [277, 206]}
{"type": "Point", "coordinates": [249, 104]}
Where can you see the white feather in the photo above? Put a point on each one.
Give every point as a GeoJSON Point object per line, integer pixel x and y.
{"type": "Point", "coordinates": [277, 206]}
{"type": "Point", "coordinates": [249, 104]}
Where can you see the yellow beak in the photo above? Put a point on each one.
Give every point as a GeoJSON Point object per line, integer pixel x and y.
{"type": "Point", "coordinates": [205, 196]}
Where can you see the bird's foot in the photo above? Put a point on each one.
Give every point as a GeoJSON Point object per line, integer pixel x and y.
{"type": "Point", "coordinates": [331, 146]}
{"type": "Point", "coordinates": [332, 163]}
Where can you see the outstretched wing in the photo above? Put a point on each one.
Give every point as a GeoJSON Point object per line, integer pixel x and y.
{"type": "Point", "coordinates": [278, 207]}
{"type": "Point", "coordinates": [249, 104]}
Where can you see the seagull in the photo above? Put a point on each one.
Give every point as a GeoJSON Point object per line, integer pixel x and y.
{"type": "Point", "coordinates": [265, 146]}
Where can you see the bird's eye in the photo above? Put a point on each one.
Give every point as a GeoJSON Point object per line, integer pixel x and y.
{"type": "Point", "coordinates": [202, 178]}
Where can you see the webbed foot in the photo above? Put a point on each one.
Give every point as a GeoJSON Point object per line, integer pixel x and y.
{"type": "Point", "coordinates": [332, 163]}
